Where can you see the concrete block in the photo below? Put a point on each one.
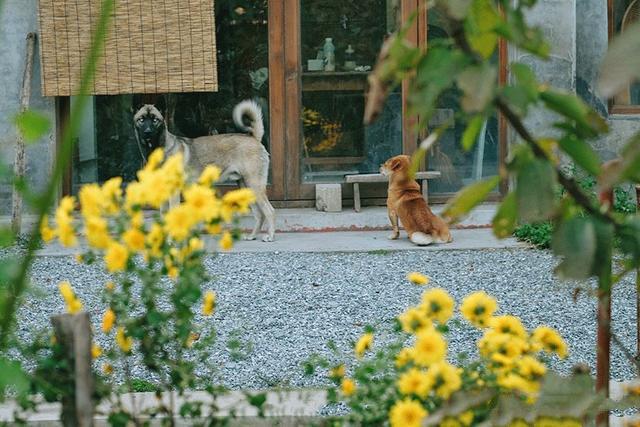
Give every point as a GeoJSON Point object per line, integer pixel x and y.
{"type": "Point", "coordinates": [329, 197]}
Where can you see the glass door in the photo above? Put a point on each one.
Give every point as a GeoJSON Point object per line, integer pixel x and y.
{"type": "Point", "coordinates": [336, 46]}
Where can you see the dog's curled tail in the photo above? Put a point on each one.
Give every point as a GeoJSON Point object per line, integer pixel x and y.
{"type": "Point", "coordinates": [421, 239]}
{"type": "Point", "coordinates": [251, 109]}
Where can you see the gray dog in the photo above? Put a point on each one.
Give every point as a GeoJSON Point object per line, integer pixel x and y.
{"type": "Point", "coordinates": [240, 157]}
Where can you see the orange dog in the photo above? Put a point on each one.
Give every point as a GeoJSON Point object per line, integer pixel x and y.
{"type": "Point", "coordinates": [405, 201]}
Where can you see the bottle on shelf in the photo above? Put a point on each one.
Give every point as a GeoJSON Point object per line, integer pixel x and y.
{"type": "Point", "coordinates": [329, 51]}
{"type": "Point", "coordinates": [349, 60]}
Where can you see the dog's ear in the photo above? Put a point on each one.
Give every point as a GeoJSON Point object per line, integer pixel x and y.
{"type": "Point", "coordinates": [395, 164]}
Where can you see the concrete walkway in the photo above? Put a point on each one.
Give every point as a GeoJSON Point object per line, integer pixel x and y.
{"type": "Point", "coordinates": [342, 241]}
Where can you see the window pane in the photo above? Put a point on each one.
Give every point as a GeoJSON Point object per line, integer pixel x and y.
{"type": "Point", "coordinates": [625, 13]}
{"type": "Point", "coordinates": [340, 43]}
{"type": "Point", "coordinates": [242, 42]}
{"type": "Point", "coordinates": [458, 168]}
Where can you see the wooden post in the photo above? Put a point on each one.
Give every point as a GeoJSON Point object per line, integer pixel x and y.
{"type": "Point", "coordinates": [19, 163]}
{"type": "Point", "coordinates": [603, 339]}
{"type": "Point", "coordinates": [73, 332]}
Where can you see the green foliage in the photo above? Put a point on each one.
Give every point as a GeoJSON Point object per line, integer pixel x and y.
{"type": "Point", "coordinates": [538, 234]}
{"type": "Point", "coordinates": [142, 385]}
{"type": "Point", "coordinates": [32, 125]}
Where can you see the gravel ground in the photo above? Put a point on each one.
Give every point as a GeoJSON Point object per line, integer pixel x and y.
{"type": "Point", "coordinates": [288, 305]}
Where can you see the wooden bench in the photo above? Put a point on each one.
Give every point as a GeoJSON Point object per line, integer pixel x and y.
{"type": "Point", "coordinates": [358, 179]}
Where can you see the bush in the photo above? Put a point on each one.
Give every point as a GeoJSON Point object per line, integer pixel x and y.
{"type": "Point", "coordinates": [538, 234]}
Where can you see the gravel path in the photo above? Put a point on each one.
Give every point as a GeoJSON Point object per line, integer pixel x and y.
{"type": "Point", "coordinates": [288, 305]}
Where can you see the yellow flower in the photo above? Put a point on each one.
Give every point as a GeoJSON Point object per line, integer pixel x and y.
{"type": "Point", "coordinates": [466, 418]}
{"type": "Point", "coordinates": [508, 325]}
{"type": "Point", "coordinates": [437, 304]}
{"type": "Point", "coordinates": [124, 342]}
{"type": "Point", "coordinates": [111, 194]}
{"type": "Point", "coordinates": [179, 221]}
{"type": "Point", "coordinates": [79, 258]}
{"type": "Point", "coordinates": [209, 303]}
{"type": "Point", "coordinates": [203, 202]}
{"type": "Point", "coordinates": [91, 199]}
{"type": "Point", "coordinates": [107, 368]}
{"type": "Point", "coordinates": [96, 351]}
{"type": "Point", "coordinates": [450, 422]}
{"type": "Point", "coordinates": [513, 381]}
{"type": "Point", "coordinates": [155, 239]}
{"type": "Point", "coordinates": [209, 175]}
{"type": "Point", "coordinates": [110, 286]}
{"type": "Point", "coordinates": [418, 278]}
{"type": "Point", "coordinates": [46, 232]}
{"type": "Point", "coordinates": [478, 308]}
{"type": "Point", "coordinates": [97, 232]}
{"type": "Point", "coordinates": [510, 346]}
{"type": "Point", "coordinates": [550, 341]}
{"type": "Point", "coordinates": [337, 371]}
{"type": "Point", "coordinates": [348, 387]}
{"type": "Point", "coordinates": [407, 413]}
{"type": "Point", "coordinates": [445, 379]}
{"type": "Point", "coordinates": [519, 422]}
{"type": "Point", "coordinates": [429, 348]}
{"type": "Point", "coordinates": [134, 239]}
{"type": "Point", "coordinates": [137, 219]}
{"type": "Point", "coordinates": [214, 229]}
{"type": "Point", "coordinates": [154, 160]}
{"type": "Point", "coordinates": [415, 381]}
{"type": "Point", "coordinates": [108, 321]}
{"type": "Point", "coordinates": [237, 201]}
{"type": "Point", "coordinates": [364, 343]}
{"type": "Point", "coordinates": [195, 244]}
{"type": "Point", "coordinates": [226, 241]}
{"type": "Point", "coordinates": [116, 257]}
{"type": "Point", "coordinates": [530, 368]}
{"type": "Point", "coordinates": [404, 356]}
{"type": "Point", "coordinates": [414, 319]}
{"type": "Point", "coordinates": [64, 222]}
{"type": "Point", "coordinates": [73, 304]}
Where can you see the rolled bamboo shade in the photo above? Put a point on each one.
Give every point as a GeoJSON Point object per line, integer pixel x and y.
{"type": "Point", "coordinates": [153, 46]}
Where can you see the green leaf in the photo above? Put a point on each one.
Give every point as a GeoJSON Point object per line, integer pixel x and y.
{"type": "Point", "coordinates": [573, 108]}
{"type": "Point", "coordinates": [581, 153]}
{"type": "Point", "coordinates": [469, 197]}
{"type": "Point", "coordinates": [575, 241]}
{"type": "Point", "coordinates": [477, 84]}
{"type": "Point", "coordinates": [470, 135]}
{"type": "Point", "coordinates": [436, 72]}
{"type": "Point", "coordinates": [604, 248]}
{"type": "Point", "coordinates": [621, 65]}
{"type": "Point", "coordinates": [12, 377]}
{"type": "Point", "coordinates": [629, 236]}
{"type": "Point", "coordinates": [482, 19]}
{"type": "Point", "coordinates": [32, 125]}
{"type": "Point", "coordinates": [526, 78]}
{"type": "Point", "coordinates": [535, 197]}
{"type": "Point", "coordinates": [625, 168]}
{"type": "Point", "coordinates": [257, 401]}
{"type": "Point", "coordinates": [505, 220]}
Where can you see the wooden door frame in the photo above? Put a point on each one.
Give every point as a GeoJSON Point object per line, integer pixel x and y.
{"type": "Point", "coordinates": [295, 189]}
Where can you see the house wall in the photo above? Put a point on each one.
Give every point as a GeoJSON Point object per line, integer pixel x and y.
{"type": "Point", "coordinates": [592, 42]}
{"type": "Point", "coordinates": [576, 30]}
{"type": "Point", "coordinates": [17, 18]}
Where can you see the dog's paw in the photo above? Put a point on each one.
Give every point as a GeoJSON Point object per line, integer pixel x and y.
{"type": "Point", "coordinates": [248, 237]}
{"type": "Point", "coordinates": [267, 238]}
{"type": "Point", "coordinates": [393, 236]}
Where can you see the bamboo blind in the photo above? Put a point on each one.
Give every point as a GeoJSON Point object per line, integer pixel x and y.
{"type": "Point", "coordinates": [156, 46]}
